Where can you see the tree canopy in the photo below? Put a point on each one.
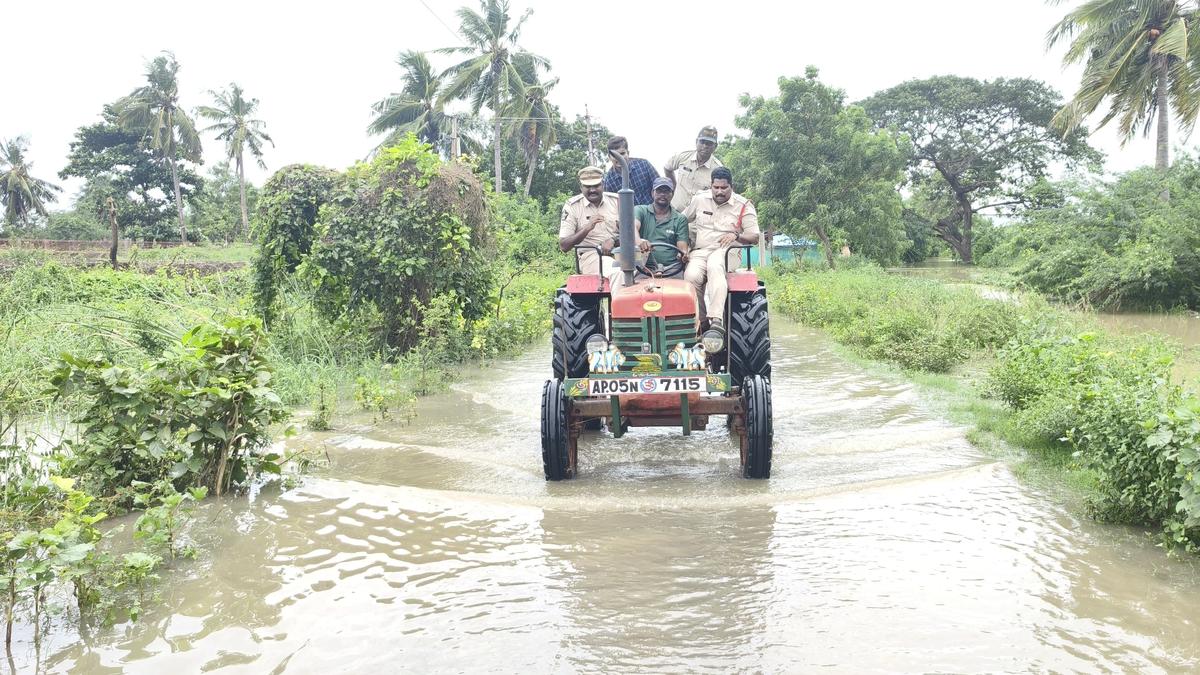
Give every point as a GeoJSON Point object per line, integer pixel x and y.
{"type": "Point", "coordinates": [21, 193]}
{"type": "Point", "coordinates": [816, 166]}
{"type": "Point", "coordinates": [1137, 55]}
{"type": "Point", "coordinates": [115, 163]}
{"type": "Point", "coordinates": [986, 144]}
{"type": "Point", "coordinates": [153, 111]}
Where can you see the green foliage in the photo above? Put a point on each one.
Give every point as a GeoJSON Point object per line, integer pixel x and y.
{"type": "Point", "coordinates": [197, 415]}
{"type": "Point", "coordinates": [21, 194]}
{"type": "Point", "coordinates": [286, 227]}
{"type": "Point", "coordinates": [114, 163]}
{"type": "Point", "coordinates": [1133, 53]}
{"type": "Point", "coordinates": [165, 509]}
{"type": "Point", "coordinates": [814, 165]}
{"type": "Point", "coordinates": [1112, 402]}
{"type": "Point", "coordinates": [397, 233]}
{"type": "Point", "coordinates": [979, 145]}
{"type": "Point", "coordinates": [216, 214]}
{"type": "Point", "coordinates": [1114, 245]}
{"type": "Point", "coordinates": [914, 323]}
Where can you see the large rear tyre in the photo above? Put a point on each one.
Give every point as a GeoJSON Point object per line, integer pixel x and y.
{"type": "Point", "coordinates": [575, 320]}
{"type": "Point", "coordinates": [756, 401]}
{"type": "Point", "coordinates": [556, 456]}
{"type": "Point", "coordinates": [749, 335]}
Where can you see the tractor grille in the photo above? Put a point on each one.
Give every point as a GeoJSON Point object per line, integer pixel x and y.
{"type": "Point", "coordinates": [661, 333]}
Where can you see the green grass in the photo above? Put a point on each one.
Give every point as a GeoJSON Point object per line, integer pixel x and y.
{"type": "Point", "coordinates": [1090, 416]}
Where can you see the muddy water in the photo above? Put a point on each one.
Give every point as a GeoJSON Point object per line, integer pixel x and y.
{"type": "Point", "coordinates": [883, 542]}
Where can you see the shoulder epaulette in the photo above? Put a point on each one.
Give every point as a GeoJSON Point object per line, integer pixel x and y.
{"type": "Point", "coordinates": [574, 199]}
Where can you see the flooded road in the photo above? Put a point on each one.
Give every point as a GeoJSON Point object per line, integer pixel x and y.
{"type": "Point", "coordinates": [883, 542]}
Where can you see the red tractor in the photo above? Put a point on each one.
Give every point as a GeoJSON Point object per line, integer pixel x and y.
{"type": "Point", "coordinates": [637, 357]}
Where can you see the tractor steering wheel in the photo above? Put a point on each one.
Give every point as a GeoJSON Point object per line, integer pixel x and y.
{"type": "Point", "coordinates": [643, 268]}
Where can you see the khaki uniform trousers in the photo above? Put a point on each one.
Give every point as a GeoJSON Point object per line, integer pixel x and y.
{"type": "Point", "coordinates": [711, 263]}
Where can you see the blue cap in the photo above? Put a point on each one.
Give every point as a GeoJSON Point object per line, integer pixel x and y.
{"type": "Point", "coordinates": [663, 181]}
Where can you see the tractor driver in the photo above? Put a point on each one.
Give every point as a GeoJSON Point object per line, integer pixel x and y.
{"type": "Point", "coordinates": [659, 222]}
{"type": "Point", "coordinates": [590, 218]}
{"type": "Point", "coordinates": [718, 218]}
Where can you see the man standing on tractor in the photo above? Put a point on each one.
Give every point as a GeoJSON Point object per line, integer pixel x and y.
{"type": "Point", "coordinates": [641, 172]}
{"type": "Point", "coordinates": [691, 170]}
{"type": "Point", "coordinates": [660, 223]}
{"type": "Point", "coordinates": [718, 218]}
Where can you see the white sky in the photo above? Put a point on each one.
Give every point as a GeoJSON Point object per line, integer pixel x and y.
{"type": "Point", "coordinates": [655, 72]}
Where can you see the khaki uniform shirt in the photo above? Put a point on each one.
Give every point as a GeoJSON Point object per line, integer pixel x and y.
{"type": "Point", "coordinates": [691, 177]}
{"type": "Point", "coordinates": [578, 212]}
{"type": "Point", "coordinates": [707, 221]}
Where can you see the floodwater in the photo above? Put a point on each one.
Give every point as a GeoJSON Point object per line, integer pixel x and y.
{"type": "Point", "coordinates": [883, 542]}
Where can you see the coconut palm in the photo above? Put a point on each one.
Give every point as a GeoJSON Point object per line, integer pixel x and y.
{"type": "Point", "coordinates": [417, 108]}
{"type": "Point", "coordinates": [154, 110]}
{"type": "Point", "coordinates": [234, 124]}
{"type": "Point", "coordinates": [490, 76]}
{"type": "Point", "coordinates": [1137, 55]}
{"type": "Point", "coordinates": [20, 192]}
{"type": "Point", "coordinates": [533, 116]}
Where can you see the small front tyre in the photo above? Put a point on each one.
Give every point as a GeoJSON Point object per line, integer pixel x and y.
{"type": "Point", "coordinates": [556, 456]}
{"type": "Point", "coordinates": [756, 443]}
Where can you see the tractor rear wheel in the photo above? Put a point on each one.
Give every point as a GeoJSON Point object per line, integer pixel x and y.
{"type": "Point", "coordinates": [756, 446]}
{"type": "Point", "coordinates": [556, 456]}
{"type": "Point", "coordinates": [749, 335]}
{"type": "Point", "coordinates": [575, 320]}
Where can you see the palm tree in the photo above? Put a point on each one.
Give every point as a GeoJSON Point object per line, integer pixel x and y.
{"type": "Point", "coordinates": [154, 111]}
{"type": "Point", "coordinates": [21, 193]}
{"type": "Point", "coordinates": [489, 76]}
{"type": "Point", "coordinates": [234, 125]}
{"type": "Point", "coordinates": [1136, 54]}
{"type": "Point", "coordinates": [533, 116]}
{"type": "Point", "coordinates": [418, 107]}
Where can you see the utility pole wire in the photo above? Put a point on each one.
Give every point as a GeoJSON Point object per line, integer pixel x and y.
{"type": "Point", "coordinates": [448, 28]}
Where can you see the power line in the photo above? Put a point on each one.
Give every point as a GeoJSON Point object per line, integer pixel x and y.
{"type": "Point", "coordinates": [439, 20]}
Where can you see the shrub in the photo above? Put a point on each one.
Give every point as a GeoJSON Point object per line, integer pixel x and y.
{"type": "Point", "coordinates": [399, 232]}
{"type": "Point", "coordinates": [194, 416]}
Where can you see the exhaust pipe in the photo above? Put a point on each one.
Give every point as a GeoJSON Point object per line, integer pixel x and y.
{"type": "Point", "coordinates": [625, 219]}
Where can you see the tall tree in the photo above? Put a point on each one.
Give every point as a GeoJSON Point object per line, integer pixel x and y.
{"type": "Point", "coordinates": [986, 144]}
{"type": "Point", "coordinates": [115, 163]}
{"type": "Point", "coordinates": [533, 117]}
{"type": "Point", "coordinates": [1137, 55]}
{"type": "Point", "coordinates": [818, 166]}
{"type": "Point", "coordinates": [489, 75]}
{"type": "Point", "coordinates": [234, 123]}
{"type": "Point", "coordinates": [21, 193]}
{"type": "Point", "coordinates": [417, 108]}
{"type": "Point", "coordinates": [154, 111]}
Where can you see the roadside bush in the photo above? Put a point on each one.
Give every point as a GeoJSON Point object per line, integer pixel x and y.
{"type": "Point", "coordinates": [197, 416]}
{"type": "Point", "coordinates": [286, 227]}
{"type": "Point", "coordinates": [914, 323]}
{"type": "Point", "coordinates": [1114, 245]}
{"type": "Point", "coordinates": [397, 233]}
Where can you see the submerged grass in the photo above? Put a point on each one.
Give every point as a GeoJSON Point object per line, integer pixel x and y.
{"type": "Point", "coordinates": [1092, 417]}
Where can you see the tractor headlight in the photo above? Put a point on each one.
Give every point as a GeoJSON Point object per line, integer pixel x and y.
{"type": "Point", "coordinates": [596, 343]}
{"type": "Point", "coordinates": [713, 341]}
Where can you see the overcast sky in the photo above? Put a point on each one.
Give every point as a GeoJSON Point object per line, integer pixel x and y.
{"type": "Point", "coordinates": [655, 72]}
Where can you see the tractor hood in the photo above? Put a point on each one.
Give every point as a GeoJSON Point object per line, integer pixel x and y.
{"type": "Point", "coordinates": [655, 297]}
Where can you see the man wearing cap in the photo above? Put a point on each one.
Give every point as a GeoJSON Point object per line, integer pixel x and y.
{"type": "Point", "coordinates": [641, 172]}
{"type": "Point", "coordinates": [718, 218]}
{"type": "Point", "coordinates": [659, 222]}
{"type": "Point", "coordinates": [691, 170]}
{"type": "Point", "coordinates": [590, 218]}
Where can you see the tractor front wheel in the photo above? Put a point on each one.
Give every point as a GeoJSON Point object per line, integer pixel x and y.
{"type": "Point", "coordinates": [556, 441]}
{"type": "Point", "coordinates": [758, 433]}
